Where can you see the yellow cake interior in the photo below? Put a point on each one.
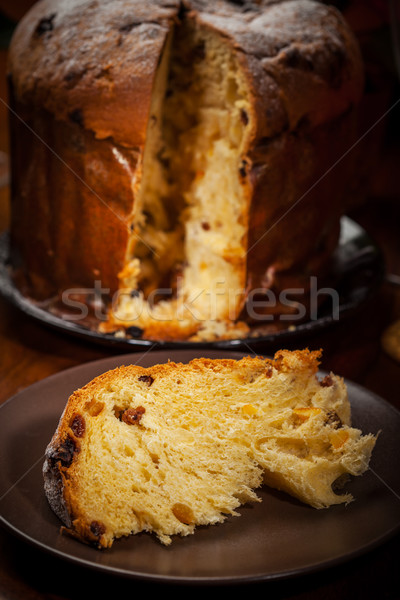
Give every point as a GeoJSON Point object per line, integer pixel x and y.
{"type": "Point", "coordinates": [188, 241]}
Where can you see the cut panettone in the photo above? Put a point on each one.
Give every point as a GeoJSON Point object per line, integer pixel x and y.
{"type": "Point", "coordinates": [170, 447]}
{"type": "Point", "coordinates": [179, 157]}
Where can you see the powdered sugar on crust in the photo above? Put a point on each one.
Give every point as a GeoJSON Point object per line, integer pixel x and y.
{"type": "Point", "coordinates": [86, 58]}
{"type": "Point", "coordinates": [72, 56]}
{"type": "Point", "coordinates": [286, 42]}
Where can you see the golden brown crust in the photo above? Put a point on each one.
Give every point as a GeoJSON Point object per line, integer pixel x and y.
{"type": "Point", "coordinates": [78, 71]}
{"type": "Point", "coordinates": [75, 203]}
{"type": "Point", "coordinates": [290, 46]}
{"type": "Point", "coordinates": [92, 65]}
{"type": "Point", "coordinates": [298, 210]}
{"type": "Point", "coordinates": [305, 71]}
{"type": "Point", "coordinates": [92, 62]}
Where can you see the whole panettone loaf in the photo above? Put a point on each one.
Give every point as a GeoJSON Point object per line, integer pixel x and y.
{"type": "Point", "coordinates": [179, 155]}
{"type": "Point", "coordinates": [167, 448]}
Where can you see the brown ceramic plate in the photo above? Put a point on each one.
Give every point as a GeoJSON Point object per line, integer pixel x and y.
{"type": "Point", "coordinates": [357, 269]}
{"type": "Point", "coordinates": [275, 539]}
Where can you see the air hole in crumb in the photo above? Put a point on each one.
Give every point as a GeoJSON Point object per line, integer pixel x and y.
{"type": "Point", "coordinates": [295, 447]}
{"type": "Point", "coordinates": [146, 474]}
{"type": "Point", "coordinates": [154, 457]}
{"type": "Point", "coordinates": [340, 482]}
{"type": "Point", "coordinates": [128, 451]}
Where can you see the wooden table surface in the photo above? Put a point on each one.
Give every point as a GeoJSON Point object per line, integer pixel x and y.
{"type": "Point", "coordinates": [30, 352]}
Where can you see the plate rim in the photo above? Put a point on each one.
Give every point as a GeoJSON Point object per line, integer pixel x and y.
{"type": "Point", "coordinates": [191, 580]}
{"type": "Point", "coordinates": [48, 319]}
{"type": "Point", "coordinates": [198, 580]}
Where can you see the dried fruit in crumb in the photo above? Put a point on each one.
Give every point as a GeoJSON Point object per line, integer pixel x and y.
{"type": "Point", "coordinates": [64, 453]}
{"type": "Point", "coordinates": [78, 426]}
{"type": "Point", "coordinates": [97, 528]}
{"type": "Point", "coordinates": [94, 408]}
{"type": "Point", "coordinates": [338, 438]}
{"type": "Point", "coordinates": [249, 409]}
{"type": "Point", "coordinates": [132, 416]}
{"type": "Point", "coordinates": [333, 419]}
{"type": "Point", "coordinates": [268, 371]}
{"type": "Point", "coordinates": [327, 381]}
{"type": "Point", "coordinates": [146, 379]}
{"type": "Point", "coordinates": [183, 513]}
{"type": "Point", "coordinates": [306, 413]}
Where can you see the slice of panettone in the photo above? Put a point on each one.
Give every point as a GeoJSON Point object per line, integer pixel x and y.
{"type": "Point", "coordinates": [170, 447]}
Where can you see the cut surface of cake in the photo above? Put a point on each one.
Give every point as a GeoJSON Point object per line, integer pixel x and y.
{"type": "Point", "coordinates": [178, 154]}
{"type": "Point", "coordinates": [167, 448]}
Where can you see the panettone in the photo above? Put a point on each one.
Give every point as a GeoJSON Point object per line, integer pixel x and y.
{"type": "Point", "coordinates": [180, 157]}
{"type": "Point", "coordinates": [174, 446]}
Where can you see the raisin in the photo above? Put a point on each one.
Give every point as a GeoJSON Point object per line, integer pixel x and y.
{"type": "Point", "coordinates": [333, 419]}
{"type": "Point", "coordinates": [243, 169]}
{"type": "Point", "coordinates": [268, 371]}
{"type": "Point", "coordinates": [135, 332]}
{"type": "Point", "coordinates": [206, 226]}
{"type": "Point", "coordinates": [78, 426]}
{"type": "Point", "coordinates": [45, 24]}
{"type": "Point", "coordinates": [64, 453]}
{"type": "Point", "coordinates": [327, 381]}
{"type": "Point", "coordinates": [146, 379]}
{"type": "Point", "coordinates": [76, 116]}
{"type": "Point", "coordinates": [244, 117]}
{"type": "Point", "coordinates": [97, 528]}
{"type": "Point", "coordinates": [132, 416]}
